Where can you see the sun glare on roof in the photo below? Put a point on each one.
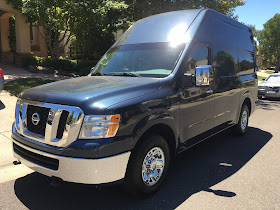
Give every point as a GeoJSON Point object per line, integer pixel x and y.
{"type": "Point", "coordinates": [178, 35]}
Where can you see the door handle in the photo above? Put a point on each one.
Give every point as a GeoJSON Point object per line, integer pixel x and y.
{"type": "Point", "coordinates": [209, 91]}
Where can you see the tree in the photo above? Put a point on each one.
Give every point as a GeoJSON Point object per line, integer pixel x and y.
{"type": "Point", "coordinates": [86, 20]}
{"type": "Point", "coordinates": [142, 8]}
{"type": "Point", "coordinates": [254, 30]}
{"type": "Point", "coordinates": [269, 40]}
{"type": "Point", "coordinates": [12, 36]}
{"type": "Point", "coordinates": [54, 16]}
{"type": "Point", "coordinates": [97, 21]}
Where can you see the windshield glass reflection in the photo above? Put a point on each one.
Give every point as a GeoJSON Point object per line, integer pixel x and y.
{"type": "Point", "coordinates": [146, 60]}
{"type": "Point", "coordinates": [273, 78]}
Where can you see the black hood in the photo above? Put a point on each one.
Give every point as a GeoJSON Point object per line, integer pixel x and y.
{"type": "Point", "coordinates": [92, 94]}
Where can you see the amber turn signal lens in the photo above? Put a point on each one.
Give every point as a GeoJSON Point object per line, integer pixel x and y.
{"type": "Point", "coordinates": [115, 118]}
{"type": "Point", "coordinates": [113, 128]}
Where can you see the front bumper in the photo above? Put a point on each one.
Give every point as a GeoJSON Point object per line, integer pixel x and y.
{"type": "Point", "coordinates": [78, 170]}
{"type": "Point", "coordinates": [268, 94]}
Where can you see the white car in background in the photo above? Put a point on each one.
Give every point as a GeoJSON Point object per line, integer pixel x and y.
{"type": "Point", "coordinates": [270, 88]}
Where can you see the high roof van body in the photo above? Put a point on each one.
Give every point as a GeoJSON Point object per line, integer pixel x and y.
{"type": "Point", "coordinates": [171, 81]}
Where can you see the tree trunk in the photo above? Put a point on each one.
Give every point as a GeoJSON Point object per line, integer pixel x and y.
{"type": "Point", "coordinates": [277, 65]}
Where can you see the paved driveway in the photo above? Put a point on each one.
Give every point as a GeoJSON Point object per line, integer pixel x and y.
{"type": "Point", "coordinates": [13, 72]}
{"type": "Point", "coordinates": [224, 172]}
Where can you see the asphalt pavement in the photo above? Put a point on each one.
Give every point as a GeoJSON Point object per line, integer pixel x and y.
{"type": "Point", "coordinates": [224, 172]}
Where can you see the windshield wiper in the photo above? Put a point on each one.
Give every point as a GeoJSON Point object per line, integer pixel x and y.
{"type": "Point", "coordinates": [125, 74]}
{"type": "Point", "coordinates": [98, 74]}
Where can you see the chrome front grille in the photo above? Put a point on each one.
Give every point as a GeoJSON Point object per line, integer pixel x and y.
{"type": "Point", "coordinates": [53, 124]}
{"type": "Point", "coordinates": [276, 89]}
{"type": "Point", "coordinates": [43, 112]}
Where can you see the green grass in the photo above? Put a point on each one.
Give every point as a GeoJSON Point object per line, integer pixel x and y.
{"type": "Point", "coordinates": [269, 72]}
{"type": "Point", "coordinates": [15, 87]}
{"type": "Point", "coordinates": [260, 78]}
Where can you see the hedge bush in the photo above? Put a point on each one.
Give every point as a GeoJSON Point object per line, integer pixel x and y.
{"type": "Point", "coordinates": [28, 61]}
{"type": "Point", "coordinates": [75, 66]}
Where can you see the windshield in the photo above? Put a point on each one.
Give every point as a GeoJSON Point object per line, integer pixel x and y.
{"type": "Point", "coordinates": [273, 78]}
{"type": "Point", "coordinates": [147, 60]}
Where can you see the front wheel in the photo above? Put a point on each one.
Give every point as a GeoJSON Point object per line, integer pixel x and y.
{"type": "Point", "coordinates": [242, 126]}
{"type": "Point", "coordinates": [147, 166]}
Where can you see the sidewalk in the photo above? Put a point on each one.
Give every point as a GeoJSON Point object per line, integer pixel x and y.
{"type": "Point", "coordinates": [13, 72]}
{"type": "Point", "coordinates": [7, 112]}
{"type": "Point", "coordinates": [7, 109]}
{"type": "Point", "coordinates": [262, 73]}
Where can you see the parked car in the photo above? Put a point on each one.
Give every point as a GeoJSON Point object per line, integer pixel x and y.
{"type": "Point", "coordinates": [1, 80]}
{"type": "Point", "coordinates": [270, 87]}
{"type": "Point", "coordinates": [271, 68]}
{"type": "Point", "coordinates": [171, 81]}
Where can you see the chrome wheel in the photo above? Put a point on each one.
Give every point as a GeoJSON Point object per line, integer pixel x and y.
{"type": "Point", "coordinates": [153, 166]}
{"type": "Point", "coordinates": [244, 120]}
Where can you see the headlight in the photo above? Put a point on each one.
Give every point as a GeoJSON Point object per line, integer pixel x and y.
{"type": "Point", "coordinates": [99, 126]}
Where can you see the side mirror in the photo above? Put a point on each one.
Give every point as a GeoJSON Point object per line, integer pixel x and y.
{"type": "Point", "coordinates": [202, 75]}
{"type": "Point", "coordinates": [263, 79]}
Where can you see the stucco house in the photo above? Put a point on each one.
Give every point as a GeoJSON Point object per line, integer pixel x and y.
{"type": "Point", "coordinates": [28, 38]}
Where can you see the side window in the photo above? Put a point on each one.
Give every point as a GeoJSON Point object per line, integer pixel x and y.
{"type": "Point", "coordinates": [246, 62]}
{"type": "Point", "coordinates": [225, 35]}
{"type": "Point", "coordinates": [225, 61]}
{"type": "Point", "coordinates": [198, 57]}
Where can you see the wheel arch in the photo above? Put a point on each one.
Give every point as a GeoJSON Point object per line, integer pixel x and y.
{"type": "Point", "coordinates": [163, 130]}
{"type": "Point", "coordinates": [247, 101]}
{"type": "Point", "coordinates": [164, 127]}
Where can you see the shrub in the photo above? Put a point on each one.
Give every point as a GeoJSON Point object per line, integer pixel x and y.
{"type": "Point", "coordinates": [84, 64]}
{"type": "Point", "coordinates": [28, 61]}
{"type": "Point", "coordinates": [84, 71]}
{"type": "Point", "coordinates": [81, 67]}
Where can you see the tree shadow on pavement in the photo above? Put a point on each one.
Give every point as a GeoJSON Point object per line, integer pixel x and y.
{"type": "Point", "coordinates": [270, 104]}
{"type": "Point", "coordinates": [195, 170]}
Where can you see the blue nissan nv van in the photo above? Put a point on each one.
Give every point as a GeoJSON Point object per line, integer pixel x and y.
{"type": "Point", "coordinates": [171, 81]}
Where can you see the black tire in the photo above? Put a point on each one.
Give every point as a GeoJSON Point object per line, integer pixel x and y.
{"type": "Point", "coordinates": [259, 97]}
{"type": "Point", "coordinates": [240, 129]}
{"type": "Point", "coordinates": [133, 182]}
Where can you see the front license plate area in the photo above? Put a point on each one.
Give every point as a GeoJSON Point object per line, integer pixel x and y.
{"type": "Point", "coordinates": [271, 92]}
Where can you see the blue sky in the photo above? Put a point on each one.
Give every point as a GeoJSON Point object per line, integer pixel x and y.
{"type": "Point", "coordinates": [257, 12]}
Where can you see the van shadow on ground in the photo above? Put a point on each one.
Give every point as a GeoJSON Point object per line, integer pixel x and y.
{"type": "Point", "coordinates": [2, 106]}
{"type": "Point", "coordinates": [194, 170]}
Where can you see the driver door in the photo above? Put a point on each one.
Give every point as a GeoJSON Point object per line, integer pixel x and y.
{"type": "Point", "coordinates": [197, 98]}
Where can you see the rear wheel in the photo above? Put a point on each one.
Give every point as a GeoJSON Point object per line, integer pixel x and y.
{"type": "Point", "coordinates": [242, 126]}
{"type": "Point", "coordinates": [147, 166]}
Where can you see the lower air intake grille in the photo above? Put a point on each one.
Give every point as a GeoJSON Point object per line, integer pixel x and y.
{"type": "Point", "coordinates": [41, 160]}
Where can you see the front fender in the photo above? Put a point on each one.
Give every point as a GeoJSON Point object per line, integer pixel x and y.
{"type": "Point", "coordinates": [155, 119]}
